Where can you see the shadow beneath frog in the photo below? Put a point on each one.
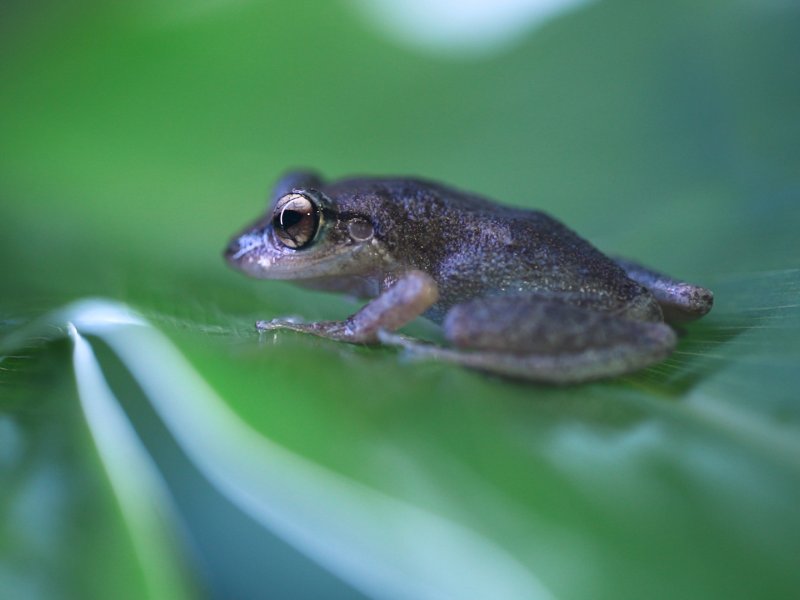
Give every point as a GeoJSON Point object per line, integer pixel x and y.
{"type": "Point", "coordinates": [696, 357]}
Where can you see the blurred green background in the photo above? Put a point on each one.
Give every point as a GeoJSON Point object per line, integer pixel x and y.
{"type": "Point", "coordinates": [135, 138]}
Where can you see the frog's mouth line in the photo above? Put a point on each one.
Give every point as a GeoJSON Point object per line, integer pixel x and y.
{"type": "Point", "coordinates": [250, 259]}
{"type": "Point", "coordinates": [253, 256]}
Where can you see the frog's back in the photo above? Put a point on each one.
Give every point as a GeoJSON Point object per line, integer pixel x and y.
{"type": "Point", "coordinates": [474, 247]}
{"type": "Point", "coordinates": [524, 251]}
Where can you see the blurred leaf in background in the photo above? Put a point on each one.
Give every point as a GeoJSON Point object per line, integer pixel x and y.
{"type": "Point", "coordinates": [153, 445]}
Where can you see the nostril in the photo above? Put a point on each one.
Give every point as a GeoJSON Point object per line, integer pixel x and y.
{"type": "Point", "coordinates": [243, 247]}
{"type": "Point", "coordinates": [232, 249]}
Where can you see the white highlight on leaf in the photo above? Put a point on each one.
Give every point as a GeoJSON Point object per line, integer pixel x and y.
{"type": "Point", "coordinates": [11, 443]}
{"type": "Point", "coordinates": [383, 546]}
{"type": "Point", "coordinates": [133, 477]}
{"type": "Point", "coordinates": [461, 26]}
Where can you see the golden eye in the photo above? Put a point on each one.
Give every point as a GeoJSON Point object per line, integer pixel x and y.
{"type": "Point", "coordinates": [295, 220]}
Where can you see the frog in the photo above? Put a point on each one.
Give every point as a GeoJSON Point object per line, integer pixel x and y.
{"type": "Point", "coordinates": [514, 292]}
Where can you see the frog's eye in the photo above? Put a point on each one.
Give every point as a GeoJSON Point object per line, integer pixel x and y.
{"type": "Point", "coordinates": [296, 220]}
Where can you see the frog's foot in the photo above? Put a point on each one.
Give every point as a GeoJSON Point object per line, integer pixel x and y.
{"type": "Point", "coordinates": [680, 301]}
{"type": "Point", "coordinates": [408, 298]}
{"type": "Point", "coordinates": [543, 340]}
{"type": "Point", "coordinates": [335, 330]}
{"type": "Point", "coordinates": [286, 322]}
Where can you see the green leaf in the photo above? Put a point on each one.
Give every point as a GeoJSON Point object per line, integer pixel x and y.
{"type": "Point", "coordinates": [152, 444]}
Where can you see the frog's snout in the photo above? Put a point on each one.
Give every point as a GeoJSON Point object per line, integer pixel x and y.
{"type": "Point", "coordinates": [239, 248]}
{"type": "Point", "coordinates": [244, 249]}
{"type": "Point", "coordinates": [231, 252]}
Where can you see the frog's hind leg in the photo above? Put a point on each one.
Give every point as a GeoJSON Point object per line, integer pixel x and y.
{"type": "Point", "coordinates": [680, 301]}
{"type": "Point", "coordinates": [540, 339]}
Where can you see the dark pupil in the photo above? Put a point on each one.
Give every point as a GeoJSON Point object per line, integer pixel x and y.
{"type": "Point", "coordinates": [290, 218]}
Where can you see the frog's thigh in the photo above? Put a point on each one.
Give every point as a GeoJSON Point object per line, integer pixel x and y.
{"type": "Point", "coordinates": [545, 340]}
{"type": "Point", "coordinates": [680, 301]}
{"type": "Point", "coordinates": [408, 298]}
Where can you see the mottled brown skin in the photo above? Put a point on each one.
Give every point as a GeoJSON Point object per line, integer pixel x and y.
{"type": "Point", "coordinates": [517, 292]}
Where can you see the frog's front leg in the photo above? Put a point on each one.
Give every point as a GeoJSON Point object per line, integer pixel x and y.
{"type": "Point", "coordinates": [410, 296]}
{"type": "Point", "coordinates": [544, 340]}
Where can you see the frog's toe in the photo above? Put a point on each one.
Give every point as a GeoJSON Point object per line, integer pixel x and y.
{"type": "Point", "coordinates": [686, 302]}
{"type": "Point", "coordinates": [287, 322]}
{"type": "Point", "coordinates": [680, 301]}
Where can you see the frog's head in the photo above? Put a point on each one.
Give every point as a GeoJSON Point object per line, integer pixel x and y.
{"type": "Point", "coordinates": [304, 237]}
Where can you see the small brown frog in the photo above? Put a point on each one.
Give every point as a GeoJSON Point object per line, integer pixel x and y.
{"type": "Point", "coordinates": [516, 292]}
